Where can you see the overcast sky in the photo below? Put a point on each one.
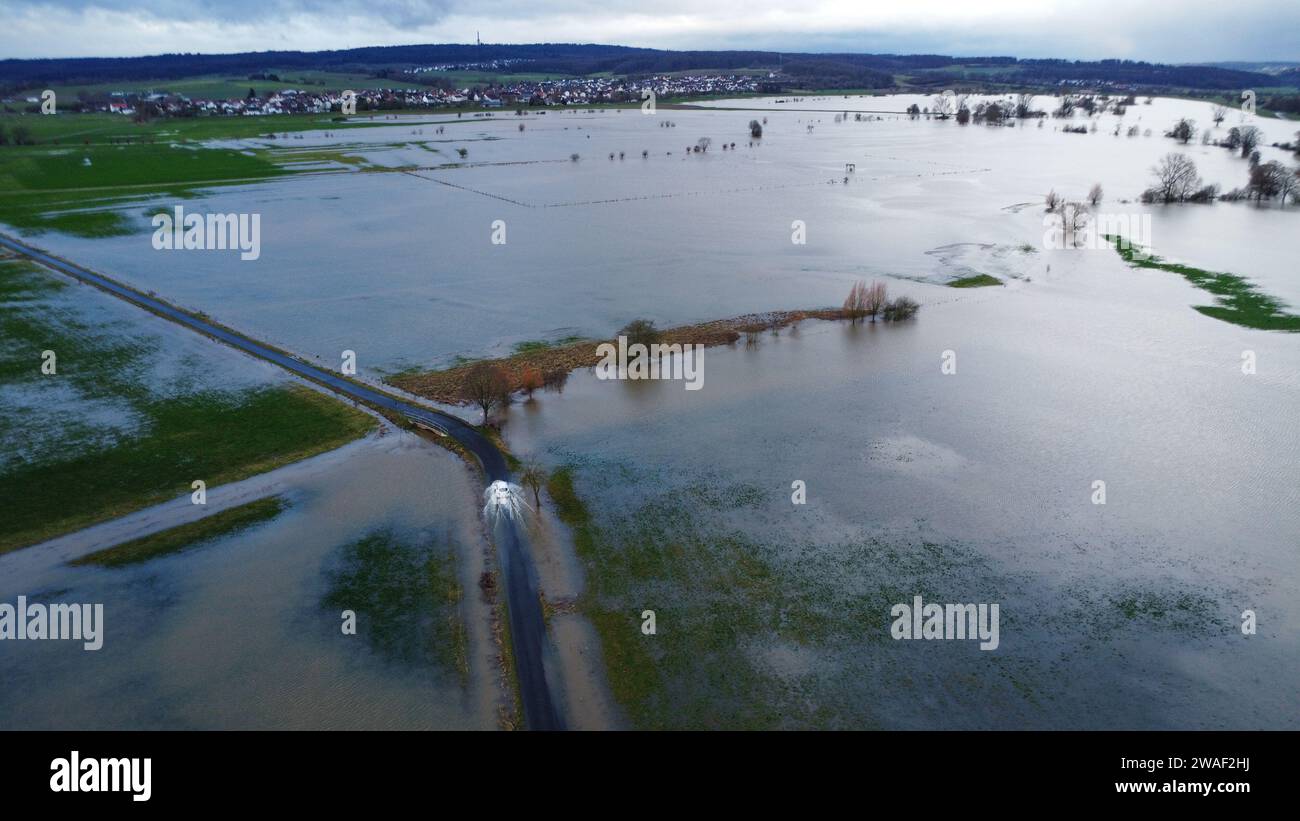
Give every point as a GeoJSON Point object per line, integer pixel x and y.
{"type": "Point", "coordinates": [1156, 30]}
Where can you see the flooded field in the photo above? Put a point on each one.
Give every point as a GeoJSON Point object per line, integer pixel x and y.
{"type": "Point", "coordinates": [245, 631]}
{"type": "Point", "coordinates": [976, 485]}
{"type": "Point", "coordinates": [970, 487]}
{"type": "Point", "coordinates": [402, 269]}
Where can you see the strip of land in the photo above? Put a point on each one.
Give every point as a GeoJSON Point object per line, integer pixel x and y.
{"type": "Point", "coordinates": [1239, 301]}
{"type": "Point", "coordinates": [447, 385]}
{"type": "Point", "coordinates": [183, 537]}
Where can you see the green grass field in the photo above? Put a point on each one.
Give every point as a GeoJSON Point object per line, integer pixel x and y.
{"type": "Point", "coordinates": [77, 479]}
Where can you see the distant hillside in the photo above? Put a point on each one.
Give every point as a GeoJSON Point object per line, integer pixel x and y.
{"type": "Point", "coordinates": [809, 70]}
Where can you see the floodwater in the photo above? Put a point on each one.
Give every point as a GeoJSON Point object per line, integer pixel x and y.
{"type": "Point", "coordinates": [996, 462]}
{"type": "Point", "coordinates": [1079, 370]}
{"type": "Point", "coordinates": [402, 269]}
{"type": "Point", "coordinates": [234, 633]}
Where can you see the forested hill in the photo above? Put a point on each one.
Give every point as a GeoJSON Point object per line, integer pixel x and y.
{"type": "Point", "coordinates": [865, 70]}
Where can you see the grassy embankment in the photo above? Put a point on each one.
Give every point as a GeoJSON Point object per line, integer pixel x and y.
{"type": "Point", "coordinates": [1237, 299]}
{"type": "Point", "coordinates": [186, 536]}
{"type": "Point", "coordinates": [407, 599]}
{"type": "Point", "coordinates": [72, 478]}
{"type": "Point", "coordinates": [445, 385]}
{"type": "Point", "coordinates": [975, 281]}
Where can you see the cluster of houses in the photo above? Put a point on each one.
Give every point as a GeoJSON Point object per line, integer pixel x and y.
{"type": "Point", "coordinates": [562, 92]}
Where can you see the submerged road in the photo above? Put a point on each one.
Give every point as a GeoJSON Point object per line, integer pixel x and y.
{"type": "Point", "coordinates": [527, 629]}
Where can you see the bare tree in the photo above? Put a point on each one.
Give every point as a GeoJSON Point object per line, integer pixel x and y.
{"type": "Point", "coordinates": [1288, 185]}
{"type": "Point", "coordinates": [1219, 113]}
{"type": "Point", "coordinates": [703, 143]}
{"type": "Point", "coordinates": [1024, 104]}
{"type": "Point", "coordinates": [1094, 194]}
{"type": "Point", "coordinates": [855, 304]}
{"type": "Point", "coordinates": [487, 386]}
{"type": "Point", "coordinates": [875, 299]}
{"type": "Point", "coordinates": [1272, 179]}
{"type": "Point", "coordinates": [1052, 200]}
{"type": "Point", "coordinates": [1176, 178]}
{"type": "Point", "coordinates": [865, 300]}
{"type": "Point", "coordinates": [533, 477]}
{"type": "Point", "coordinates": [1074, 218]}
{"type": "Point", "coordinates": [1250, 137]}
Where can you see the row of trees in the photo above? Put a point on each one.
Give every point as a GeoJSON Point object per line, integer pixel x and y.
{"type": "Point", "coordinates": [1245, 139]}
{"type": "Point", "coordinates": [489, 385]}
{"type": "Point", "coordinates": [1178, 181]}
{"type": "Point", "coordinates": [1268, 181]}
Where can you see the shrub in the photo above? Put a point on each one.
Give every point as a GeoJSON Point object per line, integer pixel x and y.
{"type": "Point", "coordinates": [641, 331]}
{"type": "Point", "coordinates": [900, 308]}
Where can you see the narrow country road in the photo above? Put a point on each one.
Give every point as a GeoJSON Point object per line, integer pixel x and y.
{"type": "Point", "coordinates": [527, 629]}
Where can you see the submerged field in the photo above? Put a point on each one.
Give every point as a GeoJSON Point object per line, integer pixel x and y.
{"type": "Point", "coordinates": [975, 483]}
{"type": "Point", "coordinates": [134, 411]}
{"type": "Point", "coordinates": [243, 630]}
{"type": "Point", "coordinates": [973, 487]}
{"type": "Point", "coordinates": [398, 262]}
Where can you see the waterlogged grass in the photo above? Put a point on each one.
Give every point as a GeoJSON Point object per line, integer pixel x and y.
{"type": "Point", "coordinates": [1132, 608]}
{"type": "Point", "coordinates": [1237, 299]}
{"type": "Point", "coordinates": [34, 168]}
{"type": "Point", "coordinates": [214, 436]}
{"type": "Point", "coordinates": [80, 189]}
{"type": "Point", "coordinates": [186, 536]}
{"type": "Point", "coordinates": [405, 593]}
{"type": "Point", "coordinates": [69, 130]}
{"type": "Point", "coordinates": [84, 168]}
{"type": "Point", "coordinates": [976, 281]}
{"type": "Point", "coordinates": [534, 345]}
{"type": "Point", "coordinates": [191, 432]}
{"type": "Point", "coordinates": [722, 599]}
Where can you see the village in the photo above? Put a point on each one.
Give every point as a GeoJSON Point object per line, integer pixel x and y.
{"type": "Point", "coordinates": [559, 92]}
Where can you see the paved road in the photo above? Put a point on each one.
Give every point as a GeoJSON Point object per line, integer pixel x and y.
{"type": "Point", "coordinates": [527, 629]}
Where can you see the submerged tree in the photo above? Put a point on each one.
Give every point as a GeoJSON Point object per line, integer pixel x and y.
{"type": "Point", "coordinates": [531, 380]}
{"type": "Point", "coordinates": [1183, 131]}
{"type": "Point", "coordinates": [554, 379]}
{"type": "Point", "coordinates": [533, 477]}
{"type": "Point", "coordinates": [1074, 218]}
{"type": "Point", "coordinates": [1176, 178]}
{"type": "Point", "coordinates": [864, 300]}
{"type": "Point", "coordinates": [899, 308]}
